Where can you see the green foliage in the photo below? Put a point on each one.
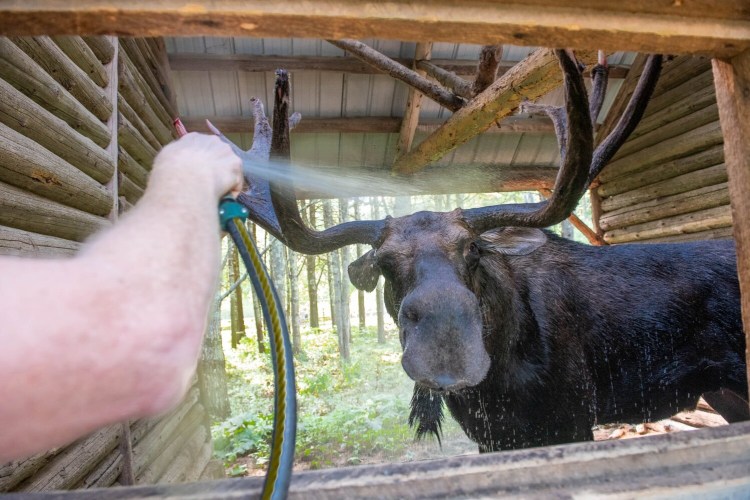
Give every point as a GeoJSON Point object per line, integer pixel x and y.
{"type": "Point", "coordinates": [348, 413]}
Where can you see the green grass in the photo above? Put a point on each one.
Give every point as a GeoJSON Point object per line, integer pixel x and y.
{"type": "Point", "coordinates": [348, 413]}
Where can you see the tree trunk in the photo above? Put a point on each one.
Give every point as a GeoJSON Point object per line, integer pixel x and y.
{"type": "Point", "coordinates": [328, 222]}
{"type": "Point", "coordinates": [346, 259]}
{"type": "Point", "coordinates": [212, 376]}
{"type": "Point", "coordinates": [312, 288]}
{"type": "Point", "coordinates": [294, 299]}
{"type": "Point", "coordinates": [566, 229]}
{"type": "Point", "coordinates": [360, 293]}
{"type": "Point", "coordinates": [257, 312]}
{"type": "Point", "coordinates": [278, 270]}
{"type": "Point", "coordinates": [335, 286]}
{"type": "Point", "coordinates": [237, 312]}
{"type": "Point", "coordinates": [375, 208]}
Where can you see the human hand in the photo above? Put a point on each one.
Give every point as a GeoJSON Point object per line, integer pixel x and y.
{"type": "Point", "coordinates": [201, 154]}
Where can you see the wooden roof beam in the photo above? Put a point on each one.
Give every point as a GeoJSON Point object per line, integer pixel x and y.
{"type": "Point", "coordinates": [530, 79]}
{"type": "Point", "coordinates": [410, 121]}
{"type": "Point", "coordinates": [715, 27]}
{"type": "Point", "coordinates": [343, 64]}
{"type": "Point", "coordinates": [443, 180]}
{"type": "Point", "coordinates": [370, 124]}
{"type": "Point", "coordinates": [414, 79]}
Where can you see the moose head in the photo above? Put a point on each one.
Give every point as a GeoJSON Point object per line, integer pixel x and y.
{"type": "Point", "coordinates": [428, 258]}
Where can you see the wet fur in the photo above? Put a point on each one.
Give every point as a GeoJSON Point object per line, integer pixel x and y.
{"type": "Point", "coordinates": [581, 335]}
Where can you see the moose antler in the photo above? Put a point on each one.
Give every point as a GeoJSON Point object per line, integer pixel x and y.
{"type": "Point", "coordinates": [571, 180]}
{"type": "Point", "coordinates": [579, 165]}
{"type": "Point", "coordinates": [296, 234]}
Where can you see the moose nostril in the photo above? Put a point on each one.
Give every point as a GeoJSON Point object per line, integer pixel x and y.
{"type": "Point", "coordinates": [445, 381]}
{"type": "Point", "coordinates": [411, 314]}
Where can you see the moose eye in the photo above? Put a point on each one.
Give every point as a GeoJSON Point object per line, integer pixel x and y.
{"type": "Point", "coordinates": [472, 255]}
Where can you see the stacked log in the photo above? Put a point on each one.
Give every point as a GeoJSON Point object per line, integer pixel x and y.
{"type": "Point", "coordinates": [172, 448]}
{"type": "Point", "coordinates": [81, 120]}
{"type": "Point", "coordinates": [668, 182]}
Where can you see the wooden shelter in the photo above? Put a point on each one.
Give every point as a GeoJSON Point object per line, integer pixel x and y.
{"type": "Point", "coordinates": [83, 114]}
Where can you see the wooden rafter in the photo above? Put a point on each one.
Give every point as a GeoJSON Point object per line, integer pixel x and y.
{"type": "Point", "coordinates": [342, 64]}
{"type": "Point", "coordinates": [370, 124]}
{"type": "Point", "coordinates": [529, 79]}
{"type": "Point", "coordinates": [716, 27]}
{"type": "Point", "coordinates": [411, 77]}
{"type": "Point", "coordinates": [413, 105]}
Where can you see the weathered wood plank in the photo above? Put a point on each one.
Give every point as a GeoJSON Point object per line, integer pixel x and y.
{"type": "Point", "coordinates": [22, 243]}
{"type": "Point", "coordinates": [732, 80]}
{"type": "Point", "coordinates": [655, 173]}
{"type": "Point", "coordinates": [25, 164]}
{"type": "Point", "coordinates": [146, 449]}
{"type": "Point", "coordinates": [133, 142]}
{"type": "Point", "coordinates": [529, 79]}
{"type": "Point", "coordinates": [410, 121]}
{"type": "Point", "coordinates": [703, 220]}
{"type": "Point", "coordinates": [23, 210]}
{"type": "Point", "coordinates": [690, 201]}
{"type": "Point", "coordinates": [367, 124]}
{"type": "Point", "coordinates": [686, 144]}
{"type": "Point", "coordinates": [671, 129]}
{"type": "Point", "coordinates": [702, 26]}
{"type": "Point", "coordinates": [705, 463]}
{"type": "Point", "coordinates": [23, 73]}
{"type": "Point", "coordinates": [691, 102]}
{"type": "Point", "coordinates": [338, 64]}
{"type": "Point", "coordinates": [134, 170]}
{"type": "Point", "coordinates": [12, 473]}
{"type": "Point", "coordinates": [437, 93]}
{"type": "Point", "coordinates": [147, 73]}
{"type": "Point", "coordinates": [80, 53]}
{"type": "Point", "coordinates": [23, 115]}
{"type": "Point", "coordinates": [71, 465]}
{"type": "Point", "coordinates": [101, 46]}
{"type": "Point", "coordinates": [133, 90]}
{"type": "Point", "coordinates": [686, 182]}
{"type": "Point", "coordinates": [129, 189]}
{"type": "Point", "coordinates": [180, 465]}
{"type": "Point", "coordinates": [54, 61]}
{"type": "Point", "coordinates": [723, 233]}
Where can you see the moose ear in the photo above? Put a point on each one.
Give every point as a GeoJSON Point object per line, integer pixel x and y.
{"type": "Point", "coordinates": [364, 272]}
{"type": "Point", "coordinates": [513, 240]}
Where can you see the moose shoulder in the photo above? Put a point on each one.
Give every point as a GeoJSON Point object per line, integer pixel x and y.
{"type": "Point", "coordinates": [559, 336]}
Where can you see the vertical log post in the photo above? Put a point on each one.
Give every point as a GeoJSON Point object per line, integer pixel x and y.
{"type": "Point", "coordinates": [732, 81]}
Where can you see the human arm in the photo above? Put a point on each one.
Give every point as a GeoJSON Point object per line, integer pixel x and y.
{"type": "Point", "coordinates": [115, 332]}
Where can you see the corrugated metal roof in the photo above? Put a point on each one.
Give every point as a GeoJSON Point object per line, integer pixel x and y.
{"type": "Point", "coordinates": [335, 94]}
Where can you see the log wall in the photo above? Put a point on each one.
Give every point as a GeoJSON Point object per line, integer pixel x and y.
{"type": "Point", "coordinates": [669, 181]}
{"type": "Point", "coordinates": [81, 119]}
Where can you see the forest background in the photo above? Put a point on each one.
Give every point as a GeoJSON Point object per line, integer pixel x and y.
{"type": "Point", "coordinates": [353, 396]}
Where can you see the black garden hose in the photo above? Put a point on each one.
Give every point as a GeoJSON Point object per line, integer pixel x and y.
{"type": "Point", "coordinates": [279, 475]}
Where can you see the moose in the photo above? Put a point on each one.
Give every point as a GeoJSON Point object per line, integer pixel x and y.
{"type": "Point", "coordinates": [529, 339]}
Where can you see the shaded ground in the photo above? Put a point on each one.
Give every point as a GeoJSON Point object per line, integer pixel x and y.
{"type": "Point", "coordinates": [455, 443]}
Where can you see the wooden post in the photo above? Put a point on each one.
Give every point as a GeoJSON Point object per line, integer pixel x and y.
{"type": "Point", "coordinates": [732, 80]}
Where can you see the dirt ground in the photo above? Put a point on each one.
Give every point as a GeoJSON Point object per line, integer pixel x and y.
{"type": "Point", "coordinates": [455, 443]}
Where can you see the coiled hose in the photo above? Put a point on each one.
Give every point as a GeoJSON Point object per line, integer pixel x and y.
{"type": "Point", "coordinates": [279, 475]}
